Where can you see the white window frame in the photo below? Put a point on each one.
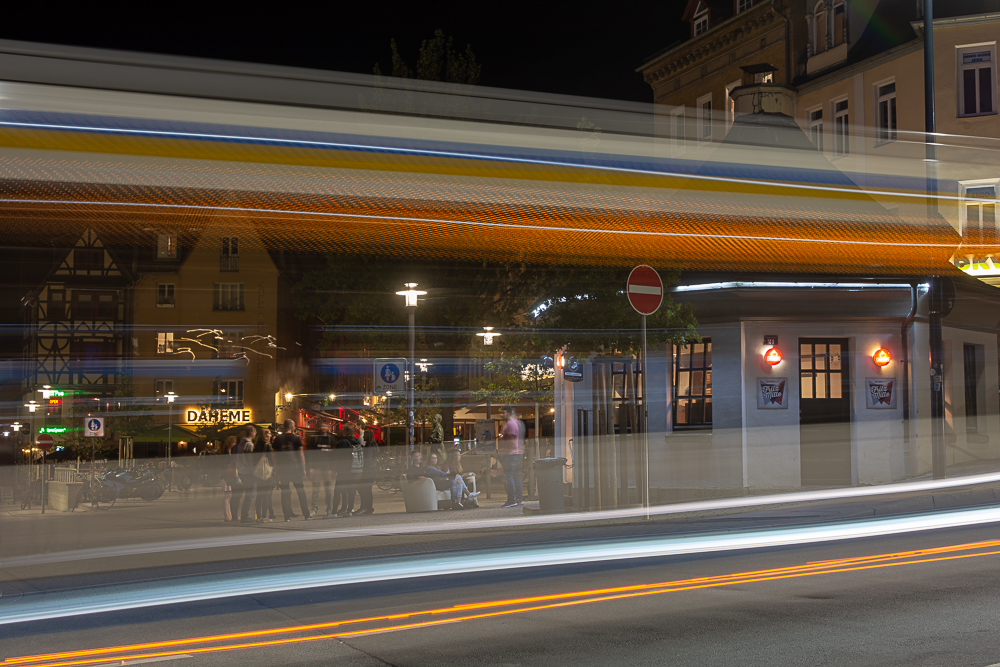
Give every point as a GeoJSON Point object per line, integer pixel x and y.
{"type": "Point", "coordinates": [161, 387]}
{"type": "Point", "coordinates": [166, 295]}
{"type": "Point", "coordinates": [226, 293]}
{"type": "Point", "coordinates": [678, 121]}
{"type": "Point", "coordinates": [165, 342]}
{"type": "Point", "coordinates": [743, 5]}
{"type": "Point", "coordinates": [840, 129]}
{"type": "Point", "coordinates": [731, 103]}
{"type": "Point", "coordinates": [964, 203]}
{"type": "Point", "coordinates": [960, 53]}
{"type": "Point", "coordinates": [814, 126]}
{"type": "Point", "coordinates": [887, 134]}
{"type": "Point", "coordinates": [699, 25]}
{"type": "Point", "coordinates": [700, 107]}
{"type": "Point", "coordinates": [166, 246]}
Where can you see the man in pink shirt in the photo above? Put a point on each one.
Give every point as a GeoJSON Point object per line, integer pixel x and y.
{"type": "Point", "coordinates": [510, 451]}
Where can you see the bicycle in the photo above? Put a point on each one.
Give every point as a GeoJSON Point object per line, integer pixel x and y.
{"type": "Point", "coordinates": [96, 493]}
{"type": "Point", "coordinates": [387, 477]}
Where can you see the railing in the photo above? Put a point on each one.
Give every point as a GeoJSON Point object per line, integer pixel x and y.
{"type": "Point", "coordinates": [229, 263]}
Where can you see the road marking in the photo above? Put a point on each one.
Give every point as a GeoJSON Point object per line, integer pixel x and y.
{"type": "Point", "coordinates": [141, 662]}
{"type": "Point", "coordinates": [495, 608]}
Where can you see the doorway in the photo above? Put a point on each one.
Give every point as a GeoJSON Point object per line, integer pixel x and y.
{"type": "Point", "coordinates": [824, 412]}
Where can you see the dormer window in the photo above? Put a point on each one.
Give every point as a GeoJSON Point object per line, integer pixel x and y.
{"type": "Point", "coordinates": [700, 23]}
{"type": "Point", "coordinates": [743, 5]}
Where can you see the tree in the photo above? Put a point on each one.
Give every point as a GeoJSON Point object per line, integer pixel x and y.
{"type": "Point", "coordinates": [438, 61]}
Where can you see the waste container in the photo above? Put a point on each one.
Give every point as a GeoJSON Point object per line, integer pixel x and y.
{"type": "Point", "coordinates": [549, 476]}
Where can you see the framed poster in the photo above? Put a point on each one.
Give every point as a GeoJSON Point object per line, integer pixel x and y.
{"type": "Point", "coordinates": [880, 394]}
{"type": "Point", "coordinates": [772, 393]}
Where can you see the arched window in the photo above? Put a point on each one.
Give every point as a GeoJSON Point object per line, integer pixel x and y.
{"type": "Point", "coordinates": [839, 22]}
{"type": "Point", "coordinates": [819, 27]}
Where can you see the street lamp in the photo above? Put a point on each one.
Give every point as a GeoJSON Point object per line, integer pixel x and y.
{"type": "Point", "coordinates": [488, 335]}
{"type": "Point", "coordinates": [410, 295]}
{"type": "Point", "coordinates": [171, 397]}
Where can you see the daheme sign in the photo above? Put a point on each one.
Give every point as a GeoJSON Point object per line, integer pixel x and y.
{"type": "Point", "coordinates": [201, 417]}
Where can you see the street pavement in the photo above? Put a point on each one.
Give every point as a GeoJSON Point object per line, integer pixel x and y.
{"type": "Point", "coordinates": [912, 599]}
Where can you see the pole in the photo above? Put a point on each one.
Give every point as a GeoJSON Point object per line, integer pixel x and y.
{"type": "Point", "coordinates": [645, 422]}
{"type": "Point", "coordinates": [413, 378]}
{"type": "Point", "coordinates": [937, 378]}
{"type": "Point", "coordinates": [489, 421]}
{"type": "Point", "coordinates": [930, 122]}
{"type": "Point", "coordinates": [41, 478]}
{"type": "Point", "coordinates": [170, 433]}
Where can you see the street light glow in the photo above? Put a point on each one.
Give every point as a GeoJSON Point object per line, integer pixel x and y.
{"type": "Point", "coordinates": [411, 294]}
{"type": "Point", "coordinates": [288, 396]}
{"type": "Point", "coordinates": [488, 335]}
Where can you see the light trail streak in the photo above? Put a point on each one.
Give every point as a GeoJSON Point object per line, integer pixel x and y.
{"type": "Point", "coordinates": [492, 224]}
{"type": "Point", "coordinates": [535, 603]}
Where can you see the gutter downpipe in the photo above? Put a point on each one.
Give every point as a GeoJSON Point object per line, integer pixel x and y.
{"type": "Point", "coordinates": [905, 338]}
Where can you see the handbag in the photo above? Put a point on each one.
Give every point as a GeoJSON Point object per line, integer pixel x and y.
{"type": "Point", "coordinates": [263, 470]}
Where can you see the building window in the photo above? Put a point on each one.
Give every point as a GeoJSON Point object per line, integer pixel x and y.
{"type": "Point", "coordinates": [821, 370]}
{"type": "Point", "coordinates": [980, 215]}
{"type": "Point", "coordinates": [841, 129]}
{"type": "Point", "coordinates": [165, 295]}
{"type": "Point", "coordinates": [229, 393]}
{"type": "Point", "coordinates": [885, 114]}
{"type": "Point", "coordinates": [705, 117]}
{"type": "Point", "coordinates": [161, 388]}
{"type": "Point", "coordinates": [166, 246]}
{"type": "Point", "coordinates": [57, 304]}
{"type": "Point", "coordinates": [819, 28]}
{"type": "Point", "coordinates": [973, 377]}
{"type": "Point", "coordinates": [229, 259]}
{"type": "Point", "coordinates": [731, 103]}
{"type": "Point", "coordinates": [88, 259]}
{"type": "Point", "coordinates": [743, 5]}
{"type": "Point", "coordinates": [839, 22]}
{"type": "Point", "coordinates": [977, 93]}
{"type": "Point", "coordinates": [94, 306]}
{"type": "Point", "coordinates": [91, 356]}
{"type": "Point", "coordinates": [693, 385]}
{"type": "Point", "coordinates": [677, 129]}
{"type": "Point", "coordinates": [814, 127]}
{"type": "Point", "coordinates": [229, 296]}
{"type": "Point", "coordinates": [229, 346]}
{"type": "Point", "coordinates": [700, 23]}
{"type": "Point", "coordinates": [165, 342]}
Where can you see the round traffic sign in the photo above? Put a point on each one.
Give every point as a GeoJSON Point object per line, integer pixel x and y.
{"type": "Point", "coordinates": [644, 289]}
{"type": "Point", "coordinates": [45, 442]}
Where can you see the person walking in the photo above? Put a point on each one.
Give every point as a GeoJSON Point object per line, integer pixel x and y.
{"type": "Point", "coordinates": [347, 449]}
{"type": "Point", "coordinates": [227, 476]}
{"type": "Point", "coordinates": [290, 468]}
{"type": "Point", "coordinates": [510, 451]}
{"type": "Point", "coordinates": [323, 463]}
{"type": "Point", "coordinates": [369, 469]}
{"type": "Point", "coordinates": [243, 490]}
{"type": "Point", "coordinates": [263, 475]}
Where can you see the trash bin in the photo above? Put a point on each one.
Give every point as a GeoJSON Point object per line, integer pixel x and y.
{"type": "Point", "coordinates": [549, 476]}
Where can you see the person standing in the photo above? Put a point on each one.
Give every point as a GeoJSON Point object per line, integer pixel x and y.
{"type": "Point", "coordinates": [243, 454]}
{"type": "Point", "coordinates": [347, 447]}
{"type": "Point", "coordinates": [290, 469]}
{"type": "Point", "coordinates": [323, 462]}
{"type": "Point", "coordinates": [263, 474]}
{"type": "Point", "coordinates": [369, 470]}
{"type": "Point", "coordinates": [510, 451]}
{"type": "Point", "coordinates": [228, 476]}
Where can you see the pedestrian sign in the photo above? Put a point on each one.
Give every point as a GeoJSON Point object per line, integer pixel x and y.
{"type": "Point", "coordinates": [93, 427]}
{"type": "Point", "coordinates": [389, 375]}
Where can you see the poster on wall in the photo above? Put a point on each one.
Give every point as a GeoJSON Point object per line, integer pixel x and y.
{"type": "Point", "coordinates": [486, 436]}
{"type": "Point", "coordinates": [881, 394]}
{"type": "Point", "coordinates": [771, 394]}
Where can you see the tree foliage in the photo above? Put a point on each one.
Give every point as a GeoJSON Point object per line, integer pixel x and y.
{"type": "Point", "coordinates": [438, 60]}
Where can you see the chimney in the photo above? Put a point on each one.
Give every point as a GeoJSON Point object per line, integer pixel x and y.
{"type": "Point", "coordinates": [760, 95]}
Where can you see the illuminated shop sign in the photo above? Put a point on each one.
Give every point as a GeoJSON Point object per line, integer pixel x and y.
{"type": "Point", "coordinates": [199, 417]}
{"type": "Point", "coordinates": [987, 265]}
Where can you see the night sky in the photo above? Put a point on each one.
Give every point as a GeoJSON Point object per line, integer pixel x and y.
{"type": "Point", "coordinates": [578, 48]}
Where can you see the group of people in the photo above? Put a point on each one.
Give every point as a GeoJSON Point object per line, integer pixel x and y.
{"type": "Point", "coordinates": [343, 464]}
{"type": "Point", "coordinates": [449, 477]}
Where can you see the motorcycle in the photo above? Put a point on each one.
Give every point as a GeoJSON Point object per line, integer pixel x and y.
{"type": "Point", "coordinates": [134, 484]}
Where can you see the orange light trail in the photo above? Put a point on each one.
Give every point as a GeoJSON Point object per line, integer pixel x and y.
{"type": "Point", "coordinates": [553, 601]}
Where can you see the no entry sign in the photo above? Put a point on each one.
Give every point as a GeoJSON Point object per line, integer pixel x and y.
{"type": "Point", "coordinates": [644, 289]}
{"type": "Point", "coordinates": [45, 442]}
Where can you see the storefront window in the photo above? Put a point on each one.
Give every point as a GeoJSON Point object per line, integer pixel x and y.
{"type": "Point", "coordinates": [693, 385]}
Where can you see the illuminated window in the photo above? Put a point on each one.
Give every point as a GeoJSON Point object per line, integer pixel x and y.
{"type": "Point", "coordinates": [814, 127]}
{"type": "Point", "coordinates": [979, 209]}
{"type": "Point", "coordinates": [229, 296]}
{"type": "Point", "coordinates": [700, 24]}
{"type": "Point", "coordinates": [705, 117]}
{"type": "Point", "coordinates": [166, 246]}
{"type": "Point", "coordinates": [841, 129]}
{"type": "Point", "coordinates": [977, 91]}
{"type": "Point", "coordinates": [885, 113]}
{"type": "Point", "coordinates": [165, 342]}
{"type": "Point", "coordinates": [678, 129]}
{"type": "Point", "coordinates": [229, 393]}
{"type": "Point", "coordinates": [693, 385]}
{"type": "Point", "coordinates": [161, 388]}
{"type": "Point", "coordinates": [821, 370]}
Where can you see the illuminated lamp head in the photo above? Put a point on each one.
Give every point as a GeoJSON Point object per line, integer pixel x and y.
{"type": "Point", "coordinates": [881, 358]}
{"type": "Point", "coordinates": [773, 356]}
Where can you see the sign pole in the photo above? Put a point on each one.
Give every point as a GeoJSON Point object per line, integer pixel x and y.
{"type": "Point", "coordinates": [645, 423]}
{"type": "Point", "coordinates": [644, 288]}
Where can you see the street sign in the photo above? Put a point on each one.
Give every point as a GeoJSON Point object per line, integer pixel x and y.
{"type": "Point", "coordinates": [644, 289]}
{"type": "Point", "coordinates": [45, 442]}
{"type": "Point", "coordinates": [389, 375]}
{"type": "Point", "coordinates": [93, 427]}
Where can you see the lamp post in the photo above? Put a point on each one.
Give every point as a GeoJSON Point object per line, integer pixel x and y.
{"type": "Point", "coordinates": [488, 335]}
{"type": "Point", "coordinates": [410, 295]}
{"type": "Point", "coordinates": [171, 397]}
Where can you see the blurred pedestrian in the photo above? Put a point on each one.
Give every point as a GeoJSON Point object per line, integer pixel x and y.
{"type": "Point", "coordinates": [369, 469]}
{"type": "Point", "coordinates": [321, 459]}
{"type": "Point", "coordinates": [228, 475]}
{"type": "Point", "coordinates": [510, 451]}
{"type": "Point", "coordinates": [263, 473]}
{"type": "Point", "coordinates": [290, 467]}
{"type": "Point", "coordinates": [243, 490]}
{"type": "Point", "coordinates": [348, 455]}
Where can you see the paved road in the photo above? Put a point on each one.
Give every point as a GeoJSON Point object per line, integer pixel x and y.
{"type": "Point", "coordinates": [931, 608]}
